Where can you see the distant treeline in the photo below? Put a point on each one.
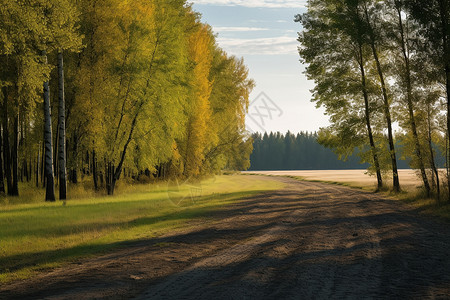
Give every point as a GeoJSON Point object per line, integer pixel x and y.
{"type": "Point", "coordinates": [276, 151]}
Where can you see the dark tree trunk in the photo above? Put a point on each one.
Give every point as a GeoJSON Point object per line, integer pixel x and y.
{"type": "Point", "coordinates": [117, 171]}
{"type": "Point", "coordinates": [368, 123]}
{"type": "Point", "coordinates": [49, 171]}
{"type": "Point", "coordinates": [432, 162]}
{"type": "Point", "coordinates": [74, 171]}
{"type": "Point", "coordinates": [42, 159]}
{"type": "Point", "coordinates": [15, 157]}
{"type": "Point", "coordinates": [94, 170]}
{"type": "Point", "coordinates": [55, 155]}
{"type": "Point", "coordinates": [61, 131]}
{"type": "Point", "coordinates": [37, 164]}
{"type": "Point", "coordinates": [409, 97]}
{"type": "Point", "coordinates": [6, 147]}
{"type": "Point", "coordinates": [387, 113]}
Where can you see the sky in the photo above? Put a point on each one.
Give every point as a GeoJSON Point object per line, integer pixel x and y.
{"type": "Point", "coordinates": [264, 33]}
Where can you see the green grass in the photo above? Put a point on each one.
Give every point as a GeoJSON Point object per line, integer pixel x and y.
{"type": "Point", "coordinates": [35, 236]}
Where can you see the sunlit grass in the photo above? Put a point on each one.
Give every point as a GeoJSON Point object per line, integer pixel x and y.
{"type": "Point", "coordinates": [38, 235]}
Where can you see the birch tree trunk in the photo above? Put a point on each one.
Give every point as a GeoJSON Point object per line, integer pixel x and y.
{"type": "Point", "coordinates": [61, 131]}
{"type": "Point", "coordinates": [49, 171]}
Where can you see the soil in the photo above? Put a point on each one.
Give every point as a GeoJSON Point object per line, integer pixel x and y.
{"type": "Point", "coordinates": [307, 241]}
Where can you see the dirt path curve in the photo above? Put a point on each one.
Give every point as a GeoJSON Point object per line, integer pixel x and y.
{"type": "Point", "coordinates": [307, 241]}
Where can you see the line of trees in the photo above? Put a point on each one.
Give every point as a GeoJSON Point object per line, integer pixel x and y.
{"type": "Point", "coordinates": [141, 89]}
{"type": "Point", "coordinates": [276, 151]}
{"type": "Point", "coordinates": [377, 65]}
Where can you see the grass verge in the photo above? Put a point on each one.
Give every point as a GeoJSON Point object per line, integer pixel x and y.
{"type": "Point", "coordinates": [37, 236]}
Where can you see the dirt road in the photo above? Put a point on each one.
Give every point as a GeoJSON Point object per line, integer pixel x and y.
{"type": "Point", "coordinates": [307, 241]}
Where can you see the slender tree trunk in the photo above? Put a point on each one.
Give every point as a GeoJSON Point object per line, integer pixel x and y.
{"type": "Point", "coordinates": [74, 172]}
{"type": "Point", "coordinates": [37, 165]}
{"type": "Point", "coordinates": [367, 117]}
{"type": "Point", "coordinates": [49, 171]}
{"type": "Point", "coordinates": [55, 155]}
{"type": "Point", "coordinates": [6, 147]}
{"type": "Point", "coordinates": [42, 159]}
{"type": "Point", "coordinates": [387, 113]}
{"type": "Point", "coordinates": [117, 171]}
{"type": "Point", "coordinates": [410, 102]}
{"type": "Point", "coordinates": [94, 170]}
{"type": "Point", "coordinates": [15, 157]}
{"type": "Point", "coordinates": [2, 182]}
{"type": "Point", "coordinates": [432, 161]}
{"type": "Point", "coordinates": [62, 131]}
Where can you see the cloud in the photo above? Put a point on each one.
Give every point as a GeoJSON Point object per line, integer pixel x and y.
{"type": "Point", "coordinates": [239, 29]}
{"type": "Point", "coordinates": [261, 46]}
{"type": "Point", "coordinates": [255, 3]}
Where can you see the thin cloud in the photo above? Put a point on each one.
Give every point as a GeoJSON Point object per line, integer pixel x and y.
{"type": "Point", "coordinates": [239, 29]}
{"type": "Point", "coordinates": [262, 46]}
{"type": "Point", "coordinates": [255, 3]}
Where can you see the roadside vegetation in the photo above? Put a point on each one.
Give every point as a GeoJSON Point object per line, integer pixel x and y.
{"type": "Point", "coordinates": [382, 73]}
{"type": "Point", "coordinates": [141, 91]}
{"type": "Point", "coordinates": [36, 235]}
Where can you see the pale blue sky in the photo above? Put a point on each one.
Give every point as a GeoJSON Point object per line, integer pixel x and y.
{"type": "Point", "coordinates": [264, 33]}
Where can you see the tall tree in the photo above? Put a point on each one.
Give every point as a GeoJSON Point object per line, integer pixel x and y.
{"type": "Point", "coordinates": [334, 46]}
{"type": "Point", "coordinates": [405, 51]}
{"type": "Point", "coordinates": [48, 141]}
{"type": "Point", "coordinates": [61, 131]}
{"type": "Point", "coordinates": [374, 41]}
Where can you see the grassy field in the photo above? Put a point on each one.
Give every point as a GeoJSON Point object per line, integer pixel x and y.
{"type": "Point", "coordinates": [412, 192]}
{"type": "Point", "coordinates": [35, 236]}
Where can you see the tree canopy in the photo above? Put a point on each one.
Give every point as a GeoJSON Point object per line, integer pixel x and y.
{"type": "Point", "coordinates": [148, 93]}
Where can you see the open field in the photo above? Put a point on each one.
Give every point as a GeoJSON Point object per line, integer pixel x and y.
{"type": "Point", "coordinates": [356, 178]}
{"type": "Point", "coordinates": [37, 236]}
{"type": "Point", "coordinates": [304, 240]}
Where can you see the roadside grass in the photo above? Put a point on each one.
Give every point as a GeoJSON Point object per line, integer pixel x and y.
{"type": "Point", "coordinates": [36, 236]}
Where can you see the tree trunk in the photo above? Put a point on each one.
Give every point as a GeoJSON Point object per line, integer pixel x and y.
{"type": "Point", "coordinates": [37, 164]}
{"type": "Point", "coordinates": [432, 162]}
{"type": "Point", "coordinates": [387, 113]}
{"type": "Point", "coordinates": [6, 148]}
{"type": "Point", "coordinates": [74, 171]}
{"type": "Point", "coordinates": [410, 103]}
{"type": "Point", "coordinates": [15, 157]}
{"type": "Point", "coordinates": [367, 117]}
{"type": "Point", "coordinates": [94, 170]}
{"type": "Point", "coordinates": [62, 131]}
{"type": "Point", "coordinates": [117, 171]}
{"type": "Point", "coordinates": [55, 154]}
{"type": "Point", "coordinates": [49, 171]}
